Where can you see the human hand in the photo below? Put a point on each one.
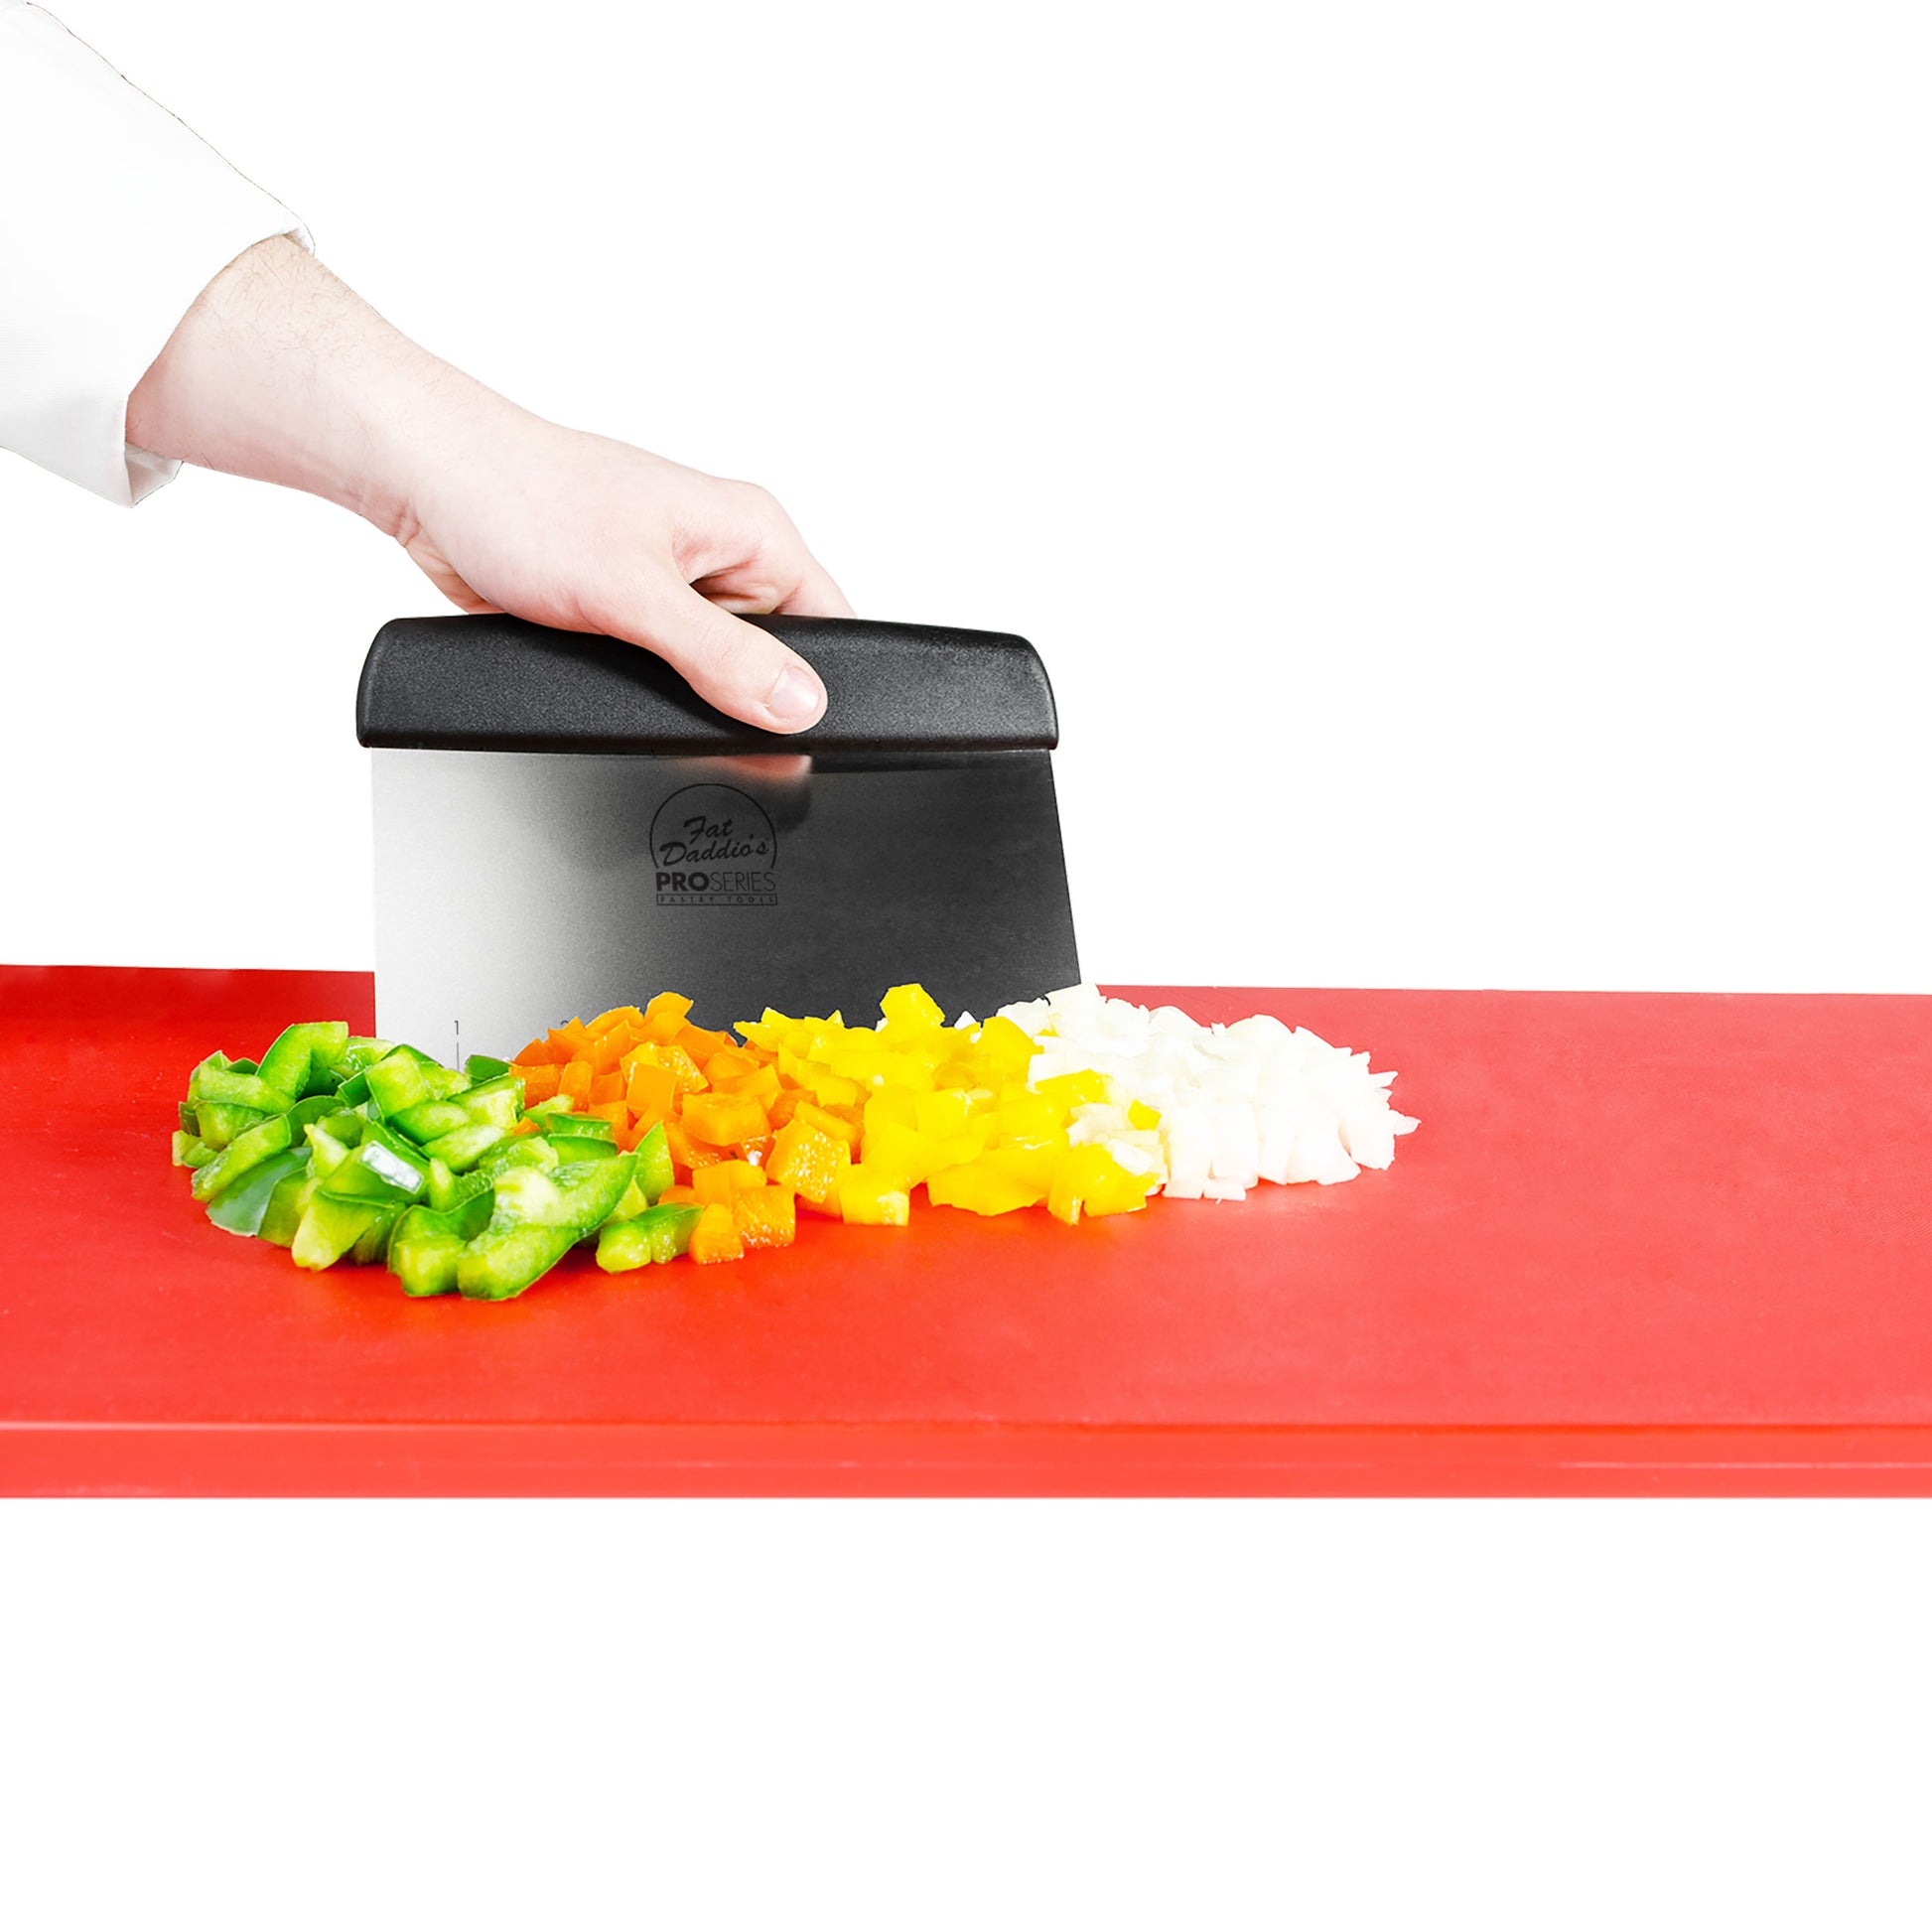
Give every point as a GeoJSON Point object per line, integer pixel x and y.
{"type": "Point", "coordinates": [281, 372]}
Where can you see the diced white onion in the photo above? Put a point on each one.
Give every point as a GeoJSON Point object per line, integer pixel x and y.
{"type": "Point", "coordinates": [1239, 1104]}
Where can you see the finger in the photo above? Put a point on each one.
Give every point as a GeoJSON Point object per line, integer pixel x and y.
{"type": "Point", "coordinates": [742, 670]}
{"type": "Point", "coordinates": [815, 595]}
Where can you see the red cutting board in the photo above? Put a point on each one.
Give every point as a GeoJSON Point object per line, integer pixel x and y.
{"type": "Point", "coordinates": [1641, 1244]}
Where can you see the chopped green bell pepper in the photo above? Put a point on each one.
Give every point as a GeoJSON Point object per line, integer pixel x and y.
{"type": "Point", "coordinates": [242, 1205]}
{"type": "Point", "coordinates": [248, 1150]}
{"type": "Point", "coordinates": [657, 1234]}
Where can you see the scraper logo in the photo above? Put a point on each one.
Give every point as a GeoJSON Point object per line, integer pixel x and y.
{"type": "Point", "coordinates": [714, 845]}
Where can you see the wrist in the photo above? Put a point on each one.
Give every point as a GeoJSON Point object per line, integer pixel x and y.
{"type": "Point", "coordinates": [283, 374]}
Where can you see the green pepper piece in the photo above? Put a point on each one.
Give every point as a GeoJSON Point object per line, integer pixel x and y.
{"type": "Point", "coordinates": [427, 1246]}
{"type": "Point", "coordinates": [286, 1206]}
{"type": "Point", "coordinates": [429, 1120]}
{"type": "Point", "coordinates": [558, 1103]}
{"type": "Point", "coordinates": [448, 1190]}
{"type": "Point", "coordinates": [242, 1205]}
{"type": "Point", "coordinates": [499, 1102]}
{"type": "Point", "coordinates": [372, 1245]}
{"type": "Point", "coordinates": [382, 1168]}
{"type": "Point", "coordinates": [190, 1151]}
{"type": "Point", "coordinates": [301, 1049]}
{"type": "Point", "coordinates": [317, 1106]}
{"type": "Point", "coordinates": [464, 1148]}
{"type": "Point", "coordinates": [353, 1091]}
{"type": "Point", "coordinates": [481, 1068]}
{"type": "Point", "coordinates": [572, 1148]}
{"type": "Point", "coordinates": [654, 1170]}
{"type": "Point", "coordinates": [575, 1126]}
{"type": "Point", "coordinates": [521, 1151]}
{"type": "Point", "coordinates": [218, 1123]}
{"type": "Point", "coordinates": [397, 1083]}
{"type": "Point", "coordinates": [657, 1234]}
{"type": "Point", "coordinates": [245, 1151]}
{"type": "Point", "coordinates": [227, 1087]}
{"type": "Point", "coordinates": [578, 1198]}
{"type": "Point", "coordinates": [503, 1262]}
{"type": "Point", "coordinates": [331, 1228]}
{"type": "Point", "coordinates": [185, 1116]}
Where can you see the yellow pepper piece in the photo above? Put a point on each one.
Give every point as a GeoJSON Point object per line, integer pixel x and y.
{"type": "Point", "coordinates": [1074, 1089]}
{"type": "Point", "coordinates": [983, 1187]}
{"type": "Point", "coordinates": [1088, 1180]}
{"type": "Point", "coordinates": [872, 1198]}
{"type": "Point", "coordinates": [907, 1008]}
{"type": "Point", "coordinates": [902, 1150]}
{"type": "Point", "coordinates": [942, 1113]}
{"type": "Point", "coordinates": [1141, 1117]}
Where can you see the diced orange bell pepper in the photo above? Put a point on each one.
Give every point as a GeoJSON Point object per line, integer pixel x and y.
{"type": "Point", "coordinates": [687, 1152]}
{"type": "Point", "coordinates": [730, 1063]}
{"type": "Point", "coordinates": [715, 1236]}
{"type": "Point", "coordinates": [607, 1087]}
{"type": "Point", "coordinates": [724, 1178]}
{"type": "Point", "coordinates": [872, 1198]}
{"type": "Point", "coordinates": [723, 1119]}
{"type": "Point", "coordinates": [537, 1054]}
{"type": "Point", "coordinates": [682, 1069]}
{"type": "Point", "coordinates": [701, 1042]}
{"type": "Point", "coordinates": [575, 1086]}
{"type": "Point", "coordinates": [615, 1111]}
{"type": "Point", "coordinates": [765, 1217]}
{"type": "Point", "coordinates": [664, 1016]}
{"type": "Point", "coordinates": [808, 1160]}
{"type": "Point", "coordinates": [569, 1040]}
{"type": "Point", "coordinates": [618, 1017]}
{"type": "Point", "coordinates": [680, 1197]}
{"type": "Point", "coordinates": [784, 1105]}
{"type": "Point", "coordinates": [539, 1082]}
{"type": "Point", "coordinates": [652, 1090]}
{"type": "Point", "coordinates": [756, 1149]}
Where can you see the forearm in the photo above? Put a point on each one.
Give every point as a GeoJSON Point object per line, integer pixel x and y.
{"type": "Point", "coordinates": [281, 373]}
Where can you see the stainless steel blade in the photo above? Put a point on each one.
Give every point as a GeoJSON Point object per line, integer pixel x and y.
{"type": "Point", "coordinates": [515, 888]}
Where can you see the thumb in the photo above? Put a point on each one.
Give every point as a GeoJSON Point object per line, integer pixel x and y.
{"type": "Point", "coordinates": [733, 666]}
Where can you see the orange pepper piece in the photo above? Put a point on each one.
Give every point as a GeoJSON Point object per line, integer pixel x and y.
{"type": "Point", "coordinates": [605, 1023]}
{"type": "Point", "coordinates": [664, 1016]}
{"type": "Point", "coordinates": [682, 1069]}
{"type": "Point", "coordinates": [539, 1082]}
{"type": "Point", "coordinates": [730, 1063]}
{"type": "Point", "coordinates": [689, 1154]}
{"type": "Point", "coordinates": [537, 1054]}
{"type": "Point", "coordinates": [784, 1105]}
{"type": "Point", "coordinates": [809, 1160]}
{"type": "Point", "coordinates": [607, 1087]}
{"type": "Point", "coordinates": [757, 1149]}
{"type": "Point", "coordinates": [701, 1042]}
{"type": "Point", "coordinates": [724, 1178]}
{"type": "Point", "coordinates": [723, 1118]}
{"type": "Point", "coordinates": [568, 1040]}
{"type": "Point", "coordinates": [615, 1111]}
{"type": "Point", "coordinates": [652, 1090]}
{"type": "Point", "coordinates": [765, 1217]}
{"type": "Point", "coordinates": [682, 1196]}
{"type": "Point", "coordinates": [575, 1085]}
{"type": "Point", "coordinates": [716, 1238]}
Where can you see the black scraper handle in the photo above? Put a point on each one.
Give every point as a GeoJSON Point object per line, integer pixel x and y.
{"type": "Point", "coordinates": [494, 683]}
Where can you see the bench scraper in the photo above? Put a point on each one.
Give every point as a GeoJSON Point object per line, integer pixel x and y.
{"type": "Point", "coordinates": [563, 826]}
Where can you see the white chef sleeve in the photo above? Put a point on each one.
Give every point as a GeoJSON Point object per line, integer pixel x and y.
{"type": "Point", "coordinates": [114, 219]}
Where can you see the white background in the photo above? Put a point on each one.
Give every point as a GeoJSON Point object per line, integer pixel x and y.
{"type": "Point", "coordinates": [1467, 468]}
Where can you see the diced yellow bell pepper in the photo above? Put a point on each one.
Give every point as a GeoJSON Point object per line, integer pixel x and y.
{"type": "Point", "coordinates": [943, 1113]}
{"type": "Point", "coordinates": [1141, 1117]}
{"type": "Point", "coordinates": [1088, 1180]}
{"type": "Point", "coordinates": [902, 1150]}
{"type": "Point", "coordinates": [907, 1009]}
{"type": "Point", "coordinates": [872, 1198]}
{"type": "Point", "coordinates": [982, 1186]}
{"type": "Point", "coordinates": [1074, 1089]}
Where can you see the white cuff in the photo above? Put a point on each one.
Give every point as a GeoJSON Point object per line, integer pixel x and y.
{"type": "Point", "coordinates": [114, 219]}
